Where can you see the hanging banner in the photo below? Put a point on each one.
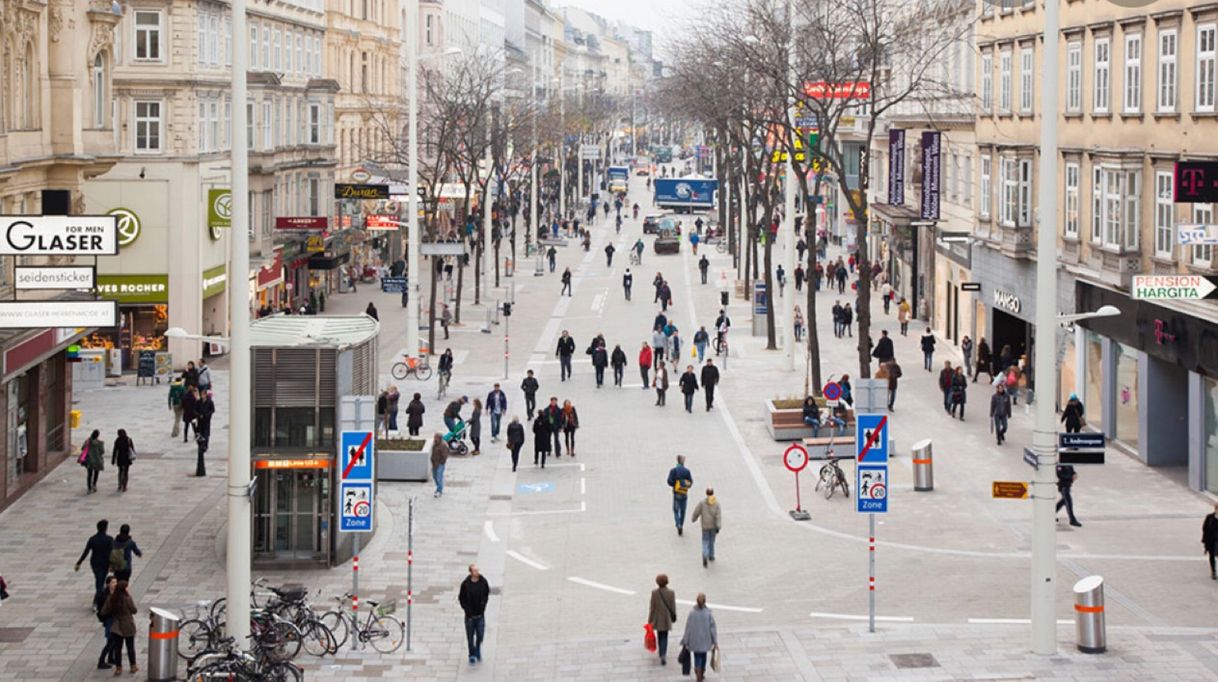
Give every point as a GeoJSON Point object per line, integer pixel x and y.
{"type": "Point", "coordinates": [932, 171]}
{"type": "Point", "coordinates": [896, 167]}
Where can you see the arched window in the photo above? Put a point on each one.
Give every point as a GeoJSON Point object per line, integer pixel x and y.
{"type": "Point", "coordinates": [100, 105]}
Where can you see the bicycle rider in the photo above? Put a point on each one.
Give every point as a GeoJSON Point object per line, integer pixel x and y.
{"type": "Point", "coordinates": [638, 250]}
{"type": "Point", "coordinates": [722, 324]}
{"type": "Point", "coordinates": [446, 366]}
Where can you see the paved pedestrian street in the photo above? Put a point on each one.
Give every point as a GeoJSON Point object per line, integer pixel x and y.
{"type": "Point", "coordinates": [571, 551]}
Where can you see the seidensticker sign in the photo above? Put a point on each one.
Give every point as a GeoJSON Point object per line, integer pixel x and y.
{"type": "Point", "coordinates": [59, 235]}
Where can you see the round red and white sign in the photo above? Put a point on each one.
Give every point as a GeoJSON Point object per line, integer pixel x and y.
{"type": "Point", "coordinates": [795, 458]}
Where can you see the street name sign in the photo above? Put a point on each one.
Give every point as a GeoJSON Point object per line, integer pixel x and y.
{"type": "Point", "coordinates": [1174, 287]}
{"type": "Point", "coordinates": [357, 493]}
{"type": "Point", "coordinates": [1080, 448]}
{"type": "Point", "coordinates": [1010, 490]}
{"type": "Point", "coordinates": [871, 464]}
{"type": "Point", "coordinates": [59, 235]}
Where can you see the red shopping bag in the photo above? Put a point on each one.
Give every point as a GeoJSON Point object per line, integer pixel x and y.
{"type": "Point", "coordinates": [649, 638]}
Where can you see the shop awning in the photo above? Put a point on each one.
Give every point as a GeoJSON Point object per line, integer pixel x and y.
{"type": "Point", "coordinates": [328, 261]}
{"type": "Point", "coordinates": [893, 214]}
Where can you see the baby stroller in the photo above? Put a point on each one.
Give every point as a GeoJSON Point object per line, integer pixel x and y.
{"type": "Point", "coordinates": [455, 439]}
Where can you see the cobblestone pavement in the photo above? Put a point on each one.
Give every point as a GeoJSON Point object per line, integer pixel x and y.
{"type": "Point", "coordinates": [788, 593]}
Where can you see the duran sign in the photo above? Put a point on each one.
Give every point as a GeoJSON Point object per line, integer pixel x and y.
{"type": "Point", "coordinates": [59, 235]}
{"type": "Point", "coordinates": [343, 190]}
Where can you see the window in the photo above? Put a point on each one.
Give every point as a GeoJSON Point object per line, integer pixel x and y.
{"type": "Point", "coordinates": [147, 126]}
{"type": "Point", "coordinates": [301, 66]}
{"type": "Point", "coordinates": [1024, 216]}
{"type": "Point", "coordinates": [249, 125]}
{"type": "Point", "coordinates": [363, 72]}
{"type": "Point", "coordinates": [1203, 254]}
{"type": "Point", "coordinates": [968, 180]}
{"type": "Point", "coordinates": [268, 133]}
{"type": "Point", "coordinates": [1165, 215]}
{"type": "Point", "coordinates": [317, 57]}
{"type": "Point", "coordinates": [984, 195]}
{"type": "Point", "coordinates": [987, 83]}
{"type": "Point", "coordinates": [202, 123]}
{"type": "Point", "coordinates": [1099, 97]}
{"type": "Point", "coordinates": [1121, 207]}
{"type": "Point", "coordinates": [1205, 68]}
{"type": "Point", "coordinates": [1004, 82]}
{"type": "Point", "coordinates": [1009, 176]}
{"type": "Point", "coordinates": [428, 23]}
{"type": "Point", "coordinates": [228, 124]}
{"type": "Point", "coordinates": [1132, 219]}
{"type": "Point", "coordinates": [148, 36]}
{"type": "Point", "coordinates": [1133, 74]}
{"type": "Point", "coordinates": [1097, 203]}
{"type": "Point", "coordinates": [228, 41]}
{"type": "Point", "coordinates": [266, 48]}
{"type": "Point", "coordinates": [1026, 79]}
{"type": "Point", "coordinates": [275, 51]}
{"type": "Point", "coordinates": [314, 188]}
{"type": "Point", "coordinates": [1074, 77]}
{"type": "Point", "coordinates": [100, 105]}
{"type": "Point", "coordinates": [314, 124]}
{"type": "Point", "coordinates": [1167, 72]}
{"type": "Point", "coordinates": [1072, 178]}
{"type": "Point", "coordinates": [253, 56]}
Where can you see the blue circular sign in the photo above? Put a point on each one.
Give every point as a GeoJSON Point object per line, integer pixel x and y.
{"type": "Point", "coordinates": [832, 391]}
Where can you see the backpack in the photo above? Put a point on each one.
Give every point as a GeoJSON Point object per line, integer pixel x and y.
{"type": "Point", "coordinates": [118, 558]}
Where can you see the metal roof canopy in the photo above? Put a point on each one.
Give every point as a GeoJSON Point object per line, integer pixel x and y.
{"type": "Point", "coordinates": [312, 331]}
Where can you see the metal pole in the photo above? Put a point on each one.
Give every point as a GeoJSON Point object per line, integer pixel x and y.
{"type": "Point", "coordinates": [788, 227]}
{"type": "Point", "coordinates": [1044, 434]}
{"type": "Point", "coordinates": [533, 167]}
{"type": "Point", "coordinates": [355, 587]}
{"type": "Point", "coordinates": [414, 277]}
{"type": "Point", "coordinates": [484, 239]}
{"type": "Point", "coordinates": [870, 573]}
{"type": "Point", "coordinates": [409, 570]}
{"type": "Point", "coordinates": [237, 564]}
{"type": "Point", "coordinates": [507, 331]}
{"type": "Point", "coordinates": [562, 146]}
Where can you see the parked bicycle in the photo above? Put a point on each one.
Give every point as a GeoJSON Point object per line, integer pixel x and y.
{"type": "Point", "coordinates": [379, 628]}
{"type": "Point", "coordinates": [831, 475]}
{"type": "Point", "coordinates": [226, 662]}
{"type": "Point", "coordinates": [418, 367]}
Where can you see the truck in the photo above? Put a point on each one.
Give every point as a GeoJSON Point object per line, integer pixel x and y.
{"type": "Point", "coordinates": [618, 177]}
{"type": "Point", "coordinates": [685, 195]}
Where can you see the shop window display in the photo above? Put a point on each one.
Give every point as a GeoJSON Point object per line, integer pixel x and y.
{"type": "Point", "coordinates": [1127, 395]}
{"type": "Point", "coordinates": [1211, 435]}
{"type": "Point", "coordinates": [1093, 400]}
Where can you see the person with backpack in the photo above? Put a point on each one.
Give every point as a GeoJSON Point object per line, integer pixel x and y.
{"type": "Point", "coordinates": [122, 457]}
{"type": "Point", "coordinates": [120, 553]}
{"type": "Point", "coordinates": [679, 482]}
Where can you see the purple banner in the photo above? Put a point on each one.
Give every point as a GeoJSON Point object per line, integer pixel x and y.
{"type": "Point", "coordinates": [896, 167]}
{"type": "Point", "coordinates": [932, 174]}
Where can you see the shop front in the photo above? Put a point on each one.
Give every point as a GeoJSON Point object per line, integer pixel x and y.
{"type": "Point", "coordinates": [1151, 380]}
{"type": "Point", "coordinates": [269, 285]}
{"type": "Point", "coordinates": [291, 515]}
{"type": "Point", "coordinates": [908, 255]}
{"type": "Point", "coordinates": [955, 308]}
{"type": "Point", "coordinates": [143, 316]}
{"type": "Point", "coordinates": [215, 304]}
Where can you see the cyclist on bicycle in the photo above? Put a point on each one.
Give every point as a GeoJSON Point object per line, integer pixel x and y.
{"type": "Point", "coordinates": [722, 324]}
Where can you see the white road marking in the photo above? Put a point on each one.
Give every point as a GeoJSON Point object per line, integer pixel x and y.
{"type": "Point", "coordinates": [525, 560]}
{"type": "Point", "coordinates": [1011, 621]}
{"type": "Point", "coordinates": [583, 486]}
{"type": "Point", "coordinates": [723, 607]}
{"type": "Point", "coordinates": [600, 586]}
{"type": "Point", "coordinates": [598, 302]}
{"type": "Point", "coordinates": [581, 465]}
{"type": "Point", "coordinates": [488, 529]}
{"type": "Point", "coordinates": [583, 507]}
{"type": "Point", "coordinates": [850, 616]}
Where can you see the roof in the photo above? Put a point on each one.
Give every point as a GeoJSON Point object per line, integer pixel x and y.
{"type": "Point", "coordinates": [312, 331]}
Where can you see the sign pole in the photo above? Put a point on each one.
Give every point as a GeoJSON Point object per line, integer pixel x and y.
{"type": "Point", "coordinates": [409, 569]}
{"type": "Point", "coordinates": [798, 505]}
{"type": "Point", "coordinates": [507, 329]}
{"type": "Point", "coordinates": [871, 573]}
{"type": "Point", "coordinates": [355, 586]}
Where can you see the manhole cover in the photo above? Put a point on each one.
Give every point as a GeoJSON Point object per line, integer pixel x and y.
{"type": "Point", "coordinates": [14, 635]}
{"type": "Point", "coordinates": [904, 661]}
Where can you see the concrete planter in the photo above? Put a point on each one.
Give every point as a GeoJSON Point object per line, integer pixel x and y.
{"type": "Point", "coordinates": [786, 422]}
{"type": "Point", "coordinates": [403, 459]}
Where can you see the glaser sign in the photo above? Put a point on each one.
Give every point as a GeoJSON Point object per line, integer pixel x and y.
{"type": "Point", "coordinates": [59, 235]}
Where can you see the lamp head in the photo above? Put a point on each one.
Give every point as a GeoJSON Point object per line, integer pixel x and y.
{"type": "Point", "coordinates": [175, 333]}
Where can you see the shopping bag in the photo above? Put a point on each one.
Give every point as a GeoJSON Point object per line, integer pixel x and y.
{"type": "Point", "coordinates": [649, 637]}
{"type": "Point", "coordinates": [686, 660]}
{"type": "Point", "coordinates": [84, 454]}
{"type": "Point", "coordinates": [715, 659]}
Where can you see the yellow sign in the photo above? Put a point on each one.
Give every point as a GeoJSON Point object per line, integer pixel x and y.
{"type": "Point", "coordinates": [847, 121]}
{"type": "Point", "coordinates": [315, 244]}
{"type": "Point", "coordinates": [1010, 490]}
{"type": "Point", "coordinates": [300, 463]}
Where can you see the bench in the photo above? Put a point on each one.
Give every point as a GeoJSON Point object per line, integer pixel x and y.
{"type": "Point", "coordinates": [818, 448]}
{"type": "Point", "coordinates": [788, 423]}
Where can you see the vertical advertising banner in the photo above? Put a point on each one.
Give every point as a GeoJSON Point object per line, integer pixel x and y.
{"type": "Point", "coordinates": [896, 167]}
{"type": "Point", "coordinates": [932, 174]}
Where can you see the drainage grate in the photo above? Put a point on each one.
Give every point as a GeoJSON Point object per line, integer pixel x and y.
{"type": "Point", "coordinates": [14, 635]}
{"type": "Point", "coordinates": [905, 661]}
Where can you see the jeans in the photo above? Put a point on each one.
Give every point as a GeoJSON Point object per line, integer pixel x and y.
{"type": "Point", "coordinates": [701, 348]}
{"type": "Point", "coordinates": [678, 509]}
{"type": "Point", "coordinates": [177, 420]}
{"type": "Point", "coordinates": [495, 419]}
{"type": "Point", "coordinates": [600, 375]}
{"type": "Point", "coordinates": [708, 543]}
{"type": "Point", "coordinates": [123, 473]}
{"type": "Point", "coordinates": [689, 402]}
{"type": "Point", "coordinates": [618, 371]}
{"type": "Point", "coordinates": [566, 289]}
{"type": "Point", "coordinates": [530, 403]}
{"type": "Point", "coordinates": [99, 578]}
{"type": "Point", "coordinates": [1000, 427]}
{"type": "Point", "coordinates": [437, 474]}
{"type": "Point", "coordinates": [558, 444]}
{"type": "Point", "coordinates": [947, 399]}
{"type": "Point", "coordinates": [393, 421]}
{"type": "Point", "coordinates": [662, 635]}
{"type": "Point", "coordinates": [644, 371]}
{"type": "Point", "coordinates": [451, 422]}
{"type": "Point", "coordinates": [699, 660]}
{"type": "Point", "coordinates": [551, 265]}
{"type": "Point", "coordinates": [106, 655]}
{"type": "Point", "coordinates": [928, 358]}
{"type": "Point", "coordinates": [815, 424]}
{"type": "Point", "coordinates": [1066, 501]}
{"type": "Point", "coordinates": [960, 405]}
{"type": "Point", "coordinates": [564, 364]}
{"type": "Point", "coordinates": [660, 396]}
{"type": "Point", "coordinates": [475, 630]}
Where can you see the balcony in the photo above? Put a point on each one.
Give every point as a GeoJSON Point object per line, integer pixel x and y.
{"type": "Point", "coordinates": [1015, 242]}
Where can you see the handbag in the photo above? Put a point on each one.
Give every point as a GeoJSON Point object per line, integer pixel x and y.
{"type": "Point", "coordinates": [715, 659]}
{"type": "Point", "coordinates": [649, 637]}
{"type": "Point", "coordinates": [685, 660]}
{"type": "Point", "coordinates": [84, 455]}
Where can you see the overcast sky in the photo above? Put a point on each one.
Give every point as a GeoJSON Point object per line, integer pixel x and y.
{"type": "Point", "coordinates": [663, 17]}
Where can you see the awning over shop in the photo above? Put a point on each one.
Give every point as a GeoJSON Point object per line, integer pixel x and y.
{"type": "Point", "coordinates": [892, 214]}
{"type": "Point", "coordinates": [328, 261]}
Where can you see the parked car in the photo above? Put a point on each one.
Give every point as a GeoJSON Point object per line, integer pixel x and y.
{"type": "Point", "coordinates": [651, 222]}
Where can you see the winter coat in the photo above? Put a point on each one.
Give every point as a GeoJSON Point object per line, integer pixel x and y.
{"type": "Point", "coordinates": [662, 611]}
{"type": "Point", "coordinates": [967, 349]}
{"type": "Point", "coordinates": [496, 402]}
{"type": "Point", "coordinates": [701, 338]}
{"type": "Point", "coordinates": [1073, 414]}
{"type": "Point", "coordinates": [529, 386]}
{"type": "Point", "coordinates": [570, 422]}
{"type": "Point", "coordinates": [96, 459]}
{"type": "Point", "coordinates": [959, 389]}
{"type": "Point", "coordinates": [689, 383]}
{"type": "Point", "coordinates": [710, 376]}
{"type": "Point", "coordinates": [661, 382]}
{"type": "Point", "coordinates": [541, 434]}
{"type": "Point", "coordinates": [189, 403]}
{"type": "Point", "coordinates": [618, 359]}
{"type": "Point", "coordinates": [1000, 405]}
{"type": "Point", "coordinates": [475, 423]}
{"type": "Point", "coordinates": [711, 514]}
{"type": "Point", "coordinates": [645, 357]}
{"type": "Point", "coordinates": [439, 453]}
{"type": "Point", "coordinates": [1209, 533]}
{"type": "Point", "coordinates": [124, 449]}
{"type": "Point", "coordinates": [414, 414]}
{"type": "Point", "coordinates": [894, 373]}
{"type": "Point", "coordinates": [983, 353]}
{"type": "Point", "coordinates": [945, 379]}
{"type": "Point", "coordinates": [515, 434]}
{"type": "Point", "coordinates": [600, 358]}
{"type": "Point", "coordinates": [658, 340]}
{"type": "Point", "coordinates": [122, 609]}
{"type": "Point", "coordinates": [473, 596]}
{"type": "Point", "coordinates": [566, 346]}
{"type": "Point", "coordinates": [883, 350]}
{"type": "Point", "coordinates": [928, 343]}
{"type": "Point", "coordinates": [701, 635]}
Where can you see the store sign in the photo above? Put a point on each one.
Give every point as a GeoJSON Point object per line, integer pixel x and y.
{"type": "Point", "coordinates": [1196, 182]}
{"type": "Point", "coordinates": [129, 225]}
{"type": "Point", "coordinates": [589, 152]}
{"type": "Point", "coordinates": [59, 235]}
{"type": "Point", "coordinates": [343, 190]}
{"type": "Point", "coordinates": [307, 222]}
{"type": "Point", "coordinates": [381, 222]}
{"type": "Point", "coordinates": [134, 288]}
{"type": "Point", "coordinates": [219, 208]}
{"type": "Point", "coordinates": [1174, 287]}
{"type": "Point", "coordinates": [896, 167]}
{"type": "Point", "coordinates": [1007, 301]}
{"type": "Point", "coordinates": [272, 274]}
{"type": "Point", "coordinates": [300, 463]}
{"type": "Point", "coordinates": [932, 170]}
{"type": "Point", "coordinates": [842, 90]}
{"type": "Point", "coordinates": [58, 314]}
{"type": "Point", "coordinates": [315, 244]}
{"type": "Point", "coordinates": [53, 277]}
{"type": "Point", "coordinates": [1197, 235]}
{"type": "Point", "coordinates": [361, 175]}
{"type": "Point", "coordinates": [215, 280]}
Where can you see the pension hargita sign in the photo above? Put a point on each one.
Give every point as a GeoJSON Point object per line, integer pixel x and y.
{"type": "Point", "coordinates": [1179, 287]}
{"type": "Point", "coordinates": [25, 235]}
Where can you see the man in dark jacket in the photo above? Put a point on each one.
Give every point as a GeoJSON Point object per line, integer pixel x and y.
{"type": "Point", "coordinates": [496, 405]}
{"type": "Point", "coordinates": [680, 481]}
{"type": "Point", "coordinates": [689, 386]}
{"type": "Point", "coordinates": [97, 549]}
{"type": "Point", "coordinates": [530, 386]}
{"type": "Point", "coordinates": [474, 593]}
{"type": "Point", "coordinates": [1209, 538]}
{"type": "Point", "coordinates": [837, 319]}
{"type": "Point", "coordinates": [370, 311]}
{"type": "Point", "coordinates": [627, 282]}
{"type": "Point", "coordinates": [945, 384]}
{"type": "Point", "coordinates": [609, 255]}
{"type": "Point", "coordinates": [555, 420]}
{"type": "Point", "coordinates": [883, 350]}
{"type": "Point", "coordinates": [928, 350]}
{"type": "Point", "coordinates": [703, 267]}
{"type": "Point", "coordinates": [710, 379]}
{"type": "Point", "coordinates": [1065, 481]}
{"type": "Point", "coordinates": [618, 360]}
{"type": "Point", "coordinates": [566, 348]}
{"type": "Point", "coordinates": [1000, 411]}
{"type": "Point", "coordinates": [600, 360]}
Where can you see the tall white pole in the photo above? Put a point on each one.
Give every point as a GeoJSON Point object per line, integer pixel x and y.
{"type": "Point", "coordinates": [1044, 435]}
{"type": "Point", "coordinates": [412, 180]}
{"type": "Point", "coordinates": [486, 205]}
{"type": "Point", "coordinates": [788, 218]}
{"type": "Point", "coordinates": [237, 562]}
{"type": "Point", "coordinates": [533, 164]}
{"type": "Point", "coordinates": [562, 147]}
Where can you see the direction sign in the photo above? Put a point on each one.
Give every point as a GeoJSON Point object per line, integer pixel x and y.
{"type": "Point", "coordinates": [1174, 287]}
{"type": "Point", "coordinates": [871, 488]}
{"type": "Point", "coordinates": [356, 506]}
{"type": "Point", "coordinates": [795, 458]}
{"type": "Point", "coordinates": [871, 438]}
{"type": "Point", "coordinates": [356, 455]}
{"type": "Point", "coordinates": [1010, 490]}
{"type": "Point", "coordinates": [393, 285]}
{"type": "Point", "coordinates": [1091, 440]}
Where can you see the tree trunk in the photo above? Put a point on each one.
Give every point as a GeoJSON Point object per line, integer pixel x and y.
{"type": "Point", "coordinates": [497, 242]}
{"type": "Point", "coordinates": [460, 285]}
{"type": "Point", "coordinates": [431, 314]}
{"type": "Point", "coordinates": [810, 282]}
{"type": "Point", "coordinates": [862, 307]}
{"type": "Point", "coordinates": [771, 299]}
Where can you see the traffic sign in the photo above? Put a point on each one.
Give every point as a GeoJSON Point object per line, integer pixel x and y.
{"type": "Point", "coordinates": [795, 458]}
{"type": "Point", "coordinates": [356, 510]}
{"type": "Point", "coordinates": [1174, 287]}
{"type": "Point", "coordinates": [356, 455]}
{"type": "Point", "coordinates": [832, 392]}
{"type": "Point", "coordinates": [871, 438]}
{"type": "Point", "coordinates": [393, 285]}
{"type": "Point", "coordinates": [871, 488]}
{"type": "Point", "coordinates": [1010, 490]}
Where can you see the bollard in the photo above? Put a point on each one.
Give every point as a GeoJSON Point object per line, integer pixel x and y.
{"type": "Point", "coordinates": [162, 645]}
{"type": "Point", "coordinates": [924, 466]}
{"type": "Point", "coordinates": [1089, 615]}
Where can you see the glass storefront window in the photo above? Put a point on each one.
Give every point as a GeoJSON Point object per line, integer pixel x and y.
{"type": "Point", "coordinates": [295, 427]}
{"type": "Point", "coordinates": [1066, 370]}
{"type": "Point", "coordinates": [1126, 394]}
{"type": "Point", "coordinates": [1211, 435]}
{"type": "Point", "coordinates": [1093, 400]}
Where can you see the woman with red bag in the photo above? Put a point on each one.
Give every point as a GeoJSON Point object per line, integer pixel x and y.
{"type": "Point", "coordinates": [661, 614]}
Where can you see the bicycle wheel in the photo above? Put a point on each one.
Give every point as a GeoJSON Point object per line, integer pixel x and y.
{"type": "Point", "coordinates": [217, 609]}
{"type": "Point", "coordinates": [336, 623]}
{"type": "Point", "coordinates": [385, 634]}
{"type": "Point", "coordinates": [399, 370]}
{"type": "Point", "coordinates": [317, 638]}
{"type": "Point", "coordinates": [823, 477]}
{"type": "Point", "coordinates": [194, 637]}
{"type": "Point", "coordinates": [282, 671]}
{"type": "Point", "coordinates": [280, 640]}
{"type": "Point", "coordinates": [845, 486]}
{"type": "Point", "coordinates": [831, 483]}
{"type": "Point", "coordinates": [423, 372]}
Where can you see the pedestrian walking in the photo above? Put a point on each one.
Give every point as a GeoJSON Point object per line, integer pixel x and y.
{"type": "Point", "coordinates": [552, 256]}
{"type": "Point", "coordinates": [883, 351]}
{"type": "Point", "coordinates": [566, 283]}
{"type": "Point", "coordinates": [841, 277]}
{"type": "Point", "coordinates": [711, 515]}
{"type": "Point", "coordinates": [600, 360]}
{"type": "Point", "coordinates": [928, 350]}
{"type": "Point", "coordinates": [564, 351]}
{"type": "Point", "coordinates": [1066, 477]}
{"type": "Point", "coordinates": [202, 439]}
{"type": "Point", "coordinates": [123, 456]}
{"type": "Point", "coordinates": [570, 423]}
{"type": "Point", "coordinates": [665, 295]}
{"type": "Point", "coordinates": [515, 440]}
{"type": "Point", "coordinates": [945, 385]}
{"type": "Point", "coordinates": [659, 344]}
{"type": "Point", "coordinates": [701, 339]}
{"type": "Point", "coordinates": [190, 375]}
{"type": "Point", "coordinates": [474, 593]}
{"type": "Point", "coordinates": [627, 283]}
{"type": "Point", "coordinates": [984, 361]}
{"type": "Point", "coordinates": [105, 661]}
{"type": "Point", "coordinates": [904, 315]}
{"type": "Point", "coordinates": [661, 382]}
{"type": "Point", "coordinates": [177, 390]}
{"type": "Point", "coordinates": [710, 379]}
{"type": "Point", "coordinates": [121, 607]}
{"type": "Point", "coordinates": [554, 415]}
{"type": "Point", "coordinates": [618, 361]}
{"type": "Point", "coordinates": [1000, 412]}
{"type": "Point", "coordinates": [1209, 539]}
{"type": "Point", "coordinates": [382, 413]}
{"type": "Point", "coordinates": [541, 440]}
{"type": "Point", "coordinates": [530, 387]}
{"type": "Point", "coordinates": [798, 322]}
{"type": "Point", "coordinates": [966, 349]}
{"type": "Point", "coordinates": [662, 614]}
{"type": "Point", "coordinates": [674, 345]}
{"type": "Point", "coordinates": [680, 480]}
{"type": "Point", "coordinates": [701, 636]}
{"type": "Point", "coordinates": [645, 358]}
{"type": "Point", "coordinates": [93, 459]}
{"type": "Point", "coordinates": [609, 255]}
{"type": "Point", "coordinates": [780, 276]}
{"type": "Point", "coordinates": [894, 376]}
{"type": "Point", "coordinates": [121, 553]}
{"type": "Point", "coordinates": [475, 427]}
{"type": "Point", "coordinates": [496, 406]}
{"type": "Point", "coordinates": [414, 414]}
{"type": "Point", "coordinates": [837, 319]}
{"type": "Point", "coordinates": [439, 460]}
{"type": "Point", "coordinates": [703, 267]}
{"type": "Point", "coordinates": [1074, 414]}
{"type": "Point", "coordinates": [689, 386]}
{"type": "Point", "coordinates": [959, 391]}
{"type": "Point", "coordinates": [97, 551]}
{"type": "Point", "coordinates": [189, 402]}
{"type": "Point", "coordinates": [799, 274]}
{"type": "Point", "coordinates": [886, 296]}
{"type": "Point", "coordinates": [848, 320]}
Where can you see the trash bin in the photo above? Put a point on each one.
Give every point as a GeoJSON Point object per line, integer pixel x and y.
{"type": "Point", "coordinates": [74, 419]}
{"type": "Point", "coordinates": [162, 645]}
{"type": "Point", "coordinates": [1089, 615]}
{"type": "Point", "coordinates": [924, 466]}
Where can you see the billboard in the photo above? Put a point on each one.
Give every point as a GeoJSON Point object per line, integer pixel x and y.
{"type": "Point", "coordinates": [685, 192]}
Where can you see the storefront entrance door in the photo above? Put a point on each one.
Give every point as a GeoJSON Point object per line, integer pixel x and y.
{"type": "Point", "coordinates": [290, 514]}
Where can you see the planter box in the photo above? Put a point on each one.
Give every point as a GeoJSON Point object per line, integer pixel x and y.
{"type": "Point", "coordinates": [786, 423]}
{"type": "Point", "coordinates": [396, 463]}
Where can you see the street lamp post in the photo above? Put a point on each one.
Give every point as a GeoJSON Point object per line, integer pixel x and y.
{"type": "Point", "coordinates": [788, 228]}
{"type": "Point", "coordinates": [412, 180]}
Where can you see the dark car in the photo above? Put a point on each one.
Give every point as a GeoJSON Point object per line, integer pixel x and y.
{"type": "Point", "coordinates": [651, 223]}
{"type": "Point", "coordinates": [668, 237]}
